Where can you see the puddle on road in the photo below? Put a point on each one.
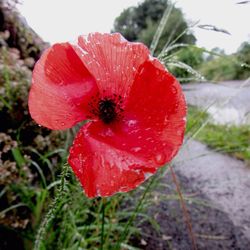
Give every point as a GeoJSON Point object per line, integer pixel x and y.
{"type": "Point", "coordinates": [228, 115]}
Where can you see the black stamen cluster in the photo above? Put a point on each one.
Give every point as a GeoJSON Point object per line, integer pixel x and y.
{"type": "Point", "coordinates": [107, 110]}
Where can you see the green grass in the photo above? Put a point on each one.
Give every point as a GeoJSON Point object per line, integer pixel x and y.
{"type": "Point", "coordinates": [234, 140]}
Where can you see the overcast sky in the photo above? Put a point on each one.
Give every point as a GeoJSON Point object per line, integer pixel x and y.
{"type": "Point", "coordinates": [64, 20]}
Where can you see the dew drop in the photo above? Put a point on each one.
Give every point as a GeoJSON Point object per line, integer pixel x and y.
{"type": "Point", "coordinates": [174, 90]}
{"type": "Point", "coordinates": [131, 123]}
{"type": "Point", "coordinates": [160, 158]}
{"type": "Point", "coordinates": [136, 149]}
{"type": "Point", "coordinates": [62, 123]}
{"type": "Point", "coordinates": [179, 132]}
{"type": "Point", "coordinates": [107, 133]}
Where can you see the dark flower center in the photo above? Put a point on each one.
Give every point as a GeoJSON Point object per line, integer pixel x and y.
{"type": "Point", "coordinates": [107, 110]}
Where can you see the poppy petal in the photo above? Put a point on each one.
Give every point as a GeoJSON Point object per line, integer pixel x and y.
{"type": "Point", "coordinates": [112, 60]}
{"type": "Point", "coordinates": [104, 161]}
{"type": "Point", "coordinates": [157, 101]}
{"type": "Point", "coordinates": [61, 88]}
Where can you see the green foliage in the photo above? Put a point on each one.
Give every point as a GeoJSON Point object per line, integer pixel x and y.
{"type": "Point", "coordinates": [76, 222]}
{"type": "Point", "coordinates": [243, 56]}
{"type": "Point", "coordinates": [234, 140]}
{"type": "Point", "coordinates": [214, 53]}
{"type": "Point", "coordinates": [221, 68]}
{"type": "Point", "coordinates": [191, 56]}
{"type": "Point", "coordinates": [195, 119]}
{"type": "Point", "coordinates": [140, 24]}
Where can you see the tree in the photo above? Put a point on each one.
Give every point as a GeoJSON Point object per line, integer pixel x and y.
{"type": "Point", "coordinates": [243, 56]}
{"type": "Point", "coordinates": [140, 24]}
{"type": "Point", "coordinates": [215, 52]}
{"type": "Point", "coordinates": [222, 68]}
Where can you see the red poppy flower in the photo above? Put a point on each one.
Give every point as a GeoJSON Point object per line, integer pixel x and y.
{"type": "Point", "coordinates": [136, 109]}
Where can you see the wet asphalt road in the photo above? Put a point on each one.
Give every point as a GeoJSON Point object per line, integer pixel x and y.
{"type": "Point", "coordinates": [223, 179]}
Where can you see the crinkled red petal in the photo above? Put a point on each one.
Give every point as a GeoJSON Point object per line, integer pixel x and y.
{"type": "Point", "coordinates": [120, 156]}
{"type": "Point", "coordinates": [156, 100]}
{"type": "Point", "coordinates": [104, 164]}
{"type": "Point", "coordinates": [112, 60]}
{"type": "Point", "coordinates": [61, 88]}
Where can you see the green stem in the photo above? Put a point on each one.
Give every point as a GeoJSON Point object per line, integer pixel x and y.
{"type": "Point", "coordinates": [133, 216]}
{"type": "Point", "coordinates": [103, 223]}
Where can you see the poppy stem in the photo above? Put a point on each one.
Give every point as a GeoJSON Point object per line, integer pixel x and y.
{"type": "Point", "coordinates": [103, 222]}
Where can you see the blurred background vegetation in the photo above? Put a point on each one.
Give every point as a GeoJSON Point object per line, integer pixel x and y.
{"type": "Point", "coordinates": [140, 24]}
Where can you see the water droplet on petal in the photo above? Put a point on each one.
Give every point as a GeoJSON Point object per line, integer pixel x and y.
{"type": "Point", "coordinates": [179, 132]}
{"type": "Point", "coordinates": [160, 158]}
{"type": "Point", "coordinates": [108, 132]}
{"type": "Point", "coordinates": [136, 149]}
{"type": "Point", "coordinates": [131, 123]}
{"type": "Point", "coordinates": [174, 90]}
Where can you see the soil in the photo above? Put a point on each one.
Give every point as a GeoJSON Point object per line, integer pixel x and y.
{"type": "Point", "coordinates": [212, 228]}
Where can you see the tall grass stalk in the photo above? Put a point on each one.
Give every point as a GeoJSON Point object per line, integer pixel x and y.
{"type": "Point", "coordinates": [103, 222]}
{"type": "Point", "coordinates": [160, 28]}
{"type": "Point", "coordinates": [52, 210]}
{"type": "Point", "coordinates": [184, 209]}
{"type": "Point", "coordinates": [135, 212]}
